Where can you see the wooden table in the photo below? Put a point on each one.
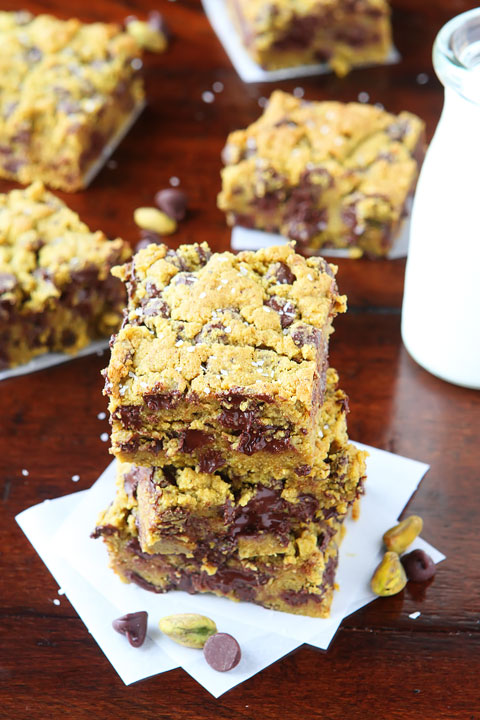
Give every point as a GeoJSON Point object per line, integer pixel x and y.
{"type": "Point", "coordinates": [382, 664]}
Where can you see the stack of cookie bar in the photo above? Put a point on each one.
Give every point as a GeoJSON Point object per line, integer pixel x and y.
{"type": "Point", "coordinates": [235, 472]}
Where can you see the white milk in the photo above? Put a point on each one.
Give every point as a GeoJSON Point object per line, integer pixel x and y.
{"type": "Point", "coordinates": [441, 306]}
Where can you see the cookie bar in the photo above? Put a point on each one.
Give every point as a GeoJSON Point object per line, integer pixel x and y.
{"type": "Point", "coordinates": [179, 510]}
{"type": "Point", "coordinates": [299, 579]}
{"type": "Point", "coordinates": [68, 92]}
{"type": "Point", "coordinates": [325, 174]}
{"type": "Point", "coordinates": [222, 358]}
{"type": "Point", "coordinates": [56, 290]}
{"type": "Point", "coordinates": [341, 33]}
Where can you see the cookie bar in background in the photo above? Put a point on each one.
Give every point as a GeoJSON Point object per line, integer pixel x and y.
{"type": "Point", "coordinates": [56, 290]}
{"type": "Point", "coordinates": [325, 174]}
{"type": "Point", "coordinates": [222, 359]}
{"type": "Point", "coordinates": [285, 33]}
{"type": "Point", "coordinates": [69, 91]}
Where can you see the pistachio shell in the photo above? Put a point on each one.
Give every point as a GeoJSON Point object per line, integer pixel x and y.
{"type": "Point", "coordinates": [398, 538]}
{"type": "Point", "coordinates": [149, 218]}
{"type": "Point", "coordinates": [188, 629]}
{"type": "Point", "coordinates": [389, 578]}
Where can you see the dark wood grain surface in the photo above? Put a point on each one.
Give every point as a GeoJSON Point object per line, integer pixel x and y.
{"type": "Point", "coordinates": [382, 664]}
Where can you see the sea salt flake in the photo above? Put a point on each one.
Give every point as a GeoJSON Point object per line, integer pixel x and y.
{"type": "Point", "coordinates": [208, 97]}
{"type": "Point", "coordinates": [101, 415]}
{"type": "Point", "coordinates": [104, 437]}
{"type": "Point", "coordinates": [179, 343]}
{"type": "Point", "coordinates": [217, 86]}
{"type": "Point", "coordinates": [363, 97]}
{"type": "Point", "coordinates": [25, 473]}
{"type": "Point", "coordinates": [75, 478]}
{"type": "Point", "coordinates": [174, 181]}
{"type": "Point", "coordinates": [56, 601]}
{"type": "Point", "coordinates": [202, 295]}
{"type": "Point", "coordinates": [415, 615]}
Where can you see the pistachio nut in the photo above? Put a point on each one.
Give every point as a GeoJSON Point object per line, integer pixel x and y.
{"type": "Point", "coordinates": [398, 538]}
{"type": "Point", "coordinates": [188, 629]}
{"type": "Point", "coordinates": [147, 36]}
{"type": "Point", "coordinates": [389, 578]}
{"type": "Point", "coordinates": [149, 218]}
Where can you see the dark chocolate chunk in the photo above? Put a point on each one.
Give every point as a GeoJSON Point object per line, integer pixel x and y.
{"type": "Point", "coordinates": [193, 439]}
{"type": "Point", "coordinates": [306, 335]}
{"type": "Point", "coordinates": [134, 626]}
{"type": "Point", "coordinates": [222, 652]}
{"type": "Point", "coordinates": [211, 461]}
{"type": "Point", "coordinates": [161, 401]}
{"type": "Point", "coordinates": [284, 308]}
{"type": "Point", "coordinates": [256, 439]}
{"type": "Point", "coordinates": [130, 416]}
{"type": "Point", "coordinates": [173, 202]}
{"type": "Point", "coordinates": [418, 566]}
{"type": "Point", "coordinates": [282, 274]}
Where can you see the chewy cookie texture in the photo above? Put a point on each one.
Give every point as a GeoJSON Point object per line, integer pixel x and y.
{"type": "Point", "coordinates": [325, 174]}
{"type": "Point", "coordinates": [56, 290]}
{"type": "Point", "coordinates": [199, 533]}
{"type": "Point", "coordinates": [68, 91]}
{"type": "Point", "coordinates": [222, 359]}
{"type": "Point", "coordinates": [240, 472]}
{"type": "Point", "coordinates": [342, 33]}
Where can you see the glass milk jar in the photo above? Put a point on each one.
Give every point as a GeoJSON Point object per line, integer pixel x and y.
{"type": "Point", "coordinates": [441, 305]}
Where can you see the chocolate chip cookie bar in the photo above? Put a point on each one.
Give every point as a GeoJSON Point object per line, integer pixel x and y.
{"type": "Point", "coordinates": [222, 359]}
{"type": "Point", "coordinates": [342, 33]}
{"type": "Point", "coordinates": [325, 174]}
{"type": "Point", "coordinates": [298, 578]}
{"type": "Point", "coordinates": [68, 93]}
{"type": "Point", "coordinates": [177, 511]}
{"type": "Point", "coordinates": [56, 290]}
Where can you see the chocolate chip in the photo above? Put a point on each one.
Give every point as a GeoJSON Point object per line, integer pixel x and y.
{"type": "Point", "coordinates": [211, 461]}
{"type": "Point", "coordinates": [222, 652]}
{"type": "Point", "coordinates": [282, 274]}
{"type": "Point", "coordinates": [193, 439]}
{"type": "Point", "coordinates": [284, 308]}
{"type": "Point", "coordinates": [418, 565]}
{"type": "Point", "coordinates": [134, 626]}
{"type": "Point", "coordinates": [173, 202]}
{"type": "Point", "coordinates": [148, 237]}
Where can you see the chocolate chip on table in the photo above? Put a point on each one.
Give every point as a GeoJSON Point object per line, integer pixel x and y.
{"type": "Point", "coordinates": [148, 237]}
{"type": "Point", "coordinates": [222, 652]}
{"type": "Point", "coordinates": [134, 626]}
{"type": "Point", "coordinates": [173, 202]}
{"type": "Point", "coordinates": [418, 566]}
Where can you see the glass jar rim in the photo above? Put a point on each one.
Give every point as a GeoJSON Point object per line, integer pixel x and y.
{"type": "Point", "coordinates": [456, 54]}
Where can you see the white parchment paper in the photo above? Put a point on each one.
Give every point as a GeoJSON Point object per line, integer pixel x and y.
{"type": "Point", "coordinates": [60, 532]}
{"type": "Point", "coordinates": [49, 359]}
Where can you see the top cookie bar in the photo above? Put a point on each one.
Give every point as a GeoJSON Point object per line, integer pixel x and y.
{"type": "Point", "coordinates": [326, 174]}
{"type": "Point", "coordinates": [68, 90]}
{"type": "Point", "coordinates": [342, 33]}
{"type": "Point", "coordinates": [221, 348]}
